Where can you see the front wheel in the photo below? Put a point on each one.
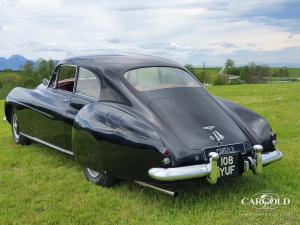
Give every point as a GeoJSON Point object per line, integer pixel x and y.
{"type": "Point", "coordinates": [99, 178]}
{"type": "Point", "coordinates": [15, 128]}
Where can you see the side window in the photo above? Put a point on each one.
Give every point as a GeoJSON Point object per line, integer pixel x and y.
{"type": "Point", "coordinates": [66, 78]}
{"type": "Point", "coordinates": [88, 84]}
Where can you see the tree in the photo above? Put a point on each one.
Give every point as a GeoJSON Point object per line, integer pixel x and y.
{"type": "Point", "coordinates": [190, 68]}
{"type": "Point", "coordinates": [265, 71]}
{"type": "Point", "coordinates": [244, 73]}
{"type": "Point", "coordinates": [253, 73]}
{"type": "Point", "coordinates": [29, 74]}
{"type": "Point", "coordinates": [281, 72]}
{"type": "Point", "coordinates": [28, 69]}
{"type": "Point", "coordinates": [285, 71]}
{"type": "Point", "coordinates": [200, 76]}
{"type": "Point", "coordinates": [230, 68]}
{"type": "Point", "coordinates": [220, 80]}
{"type": "Point", "coordinates": [229, 63]}
{"type": "Point", "coordinates": [51, 66]}
{"type": "Point", "coordinates": [42, 69]}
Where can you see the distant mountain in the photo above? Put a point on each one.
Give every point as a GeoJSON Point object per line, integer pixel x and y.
{"type": "Point", "coordinates": [15, 62]}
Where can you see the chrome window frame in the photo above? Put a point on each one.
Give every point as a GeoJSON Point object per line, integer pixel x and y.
{"type": "Point", "coordinates": [97, 78]}
{"type": "Point", "coordinates": [56, 73]}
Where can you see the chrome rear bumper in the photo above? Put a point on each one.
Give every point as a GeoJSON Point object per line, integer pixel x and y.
{"type": "Point", "coordinates": [271, 157]}
{"type": "Point", "coordinates": [211, 170]}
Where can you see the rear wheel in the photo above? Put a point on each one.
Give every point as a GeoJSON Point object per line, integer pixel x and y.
{"type": "Point", "coordinates": [99, 178]}
{"type": "Point", "coordinates": [15, 128]}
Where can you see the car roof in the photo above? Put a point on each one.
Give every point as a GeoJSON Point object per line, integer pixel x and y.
{"type": "Point", "coordinates": [119, 63]}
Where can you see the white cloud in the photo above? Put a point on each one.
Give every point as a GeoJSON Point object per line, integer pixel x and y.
{"type": "Point", "coordinates": [187, 31]}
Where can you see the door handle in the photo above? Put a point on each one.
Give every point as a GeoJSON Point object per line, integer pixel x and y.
{"type": "Point", "coordinates": [66, 100]}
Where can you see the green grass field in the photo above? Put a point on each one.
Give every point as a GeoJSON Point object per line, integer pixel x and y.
{"type": "Point", "coordinates": [294, 72]}
{"type": "Point", "coordinates": [9, 73]}
{"type": "Point", "coordinates": [41, 186]}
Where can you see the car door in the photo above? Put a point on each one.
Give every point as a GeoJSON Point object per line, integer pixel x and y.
{"type": "Point", "coordinates": [87, 90]}
{"type": "Point", "coordinates": [49, 121]}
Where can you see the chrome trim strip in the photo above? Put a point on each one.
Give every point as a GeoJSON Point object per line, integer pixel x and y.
{"type": "Point", "coordinates": [85, 96]}
{"type": "Point", "coordinates": [47, 144]}
{"type": "Point", "coordinates": [57, 67]}
{"type": "Point", "coordinates": [46, 114]}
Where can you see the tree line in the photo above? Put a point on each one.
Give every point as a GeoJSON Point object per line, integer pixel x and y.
{"type": "Point", "coordinates": [30, 75]}
{"type": "Point", "coordinates": [250, 73]}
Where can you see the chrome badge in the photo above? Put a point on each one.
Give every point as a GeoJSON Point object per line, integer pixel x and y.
{"type": "Point", "coordinates": [214, 134]}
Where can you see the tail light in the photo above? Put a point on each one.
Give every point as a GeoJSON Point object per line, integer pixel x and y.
{"type": "Point", "coordinates": [274, 138]}
{"type": "Point", "coordinates": [165, 151]}
{"type": "Point", "coordinates": [166, 161]}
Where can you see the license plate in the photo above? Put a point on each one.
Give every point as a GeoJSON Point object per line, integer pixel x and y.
{"type": "Point", "coordinates": [229, 158]}
{"type": "Point", "coordinates": [225, 150]}
{"type": "Point", "coordinates": [229, 165]}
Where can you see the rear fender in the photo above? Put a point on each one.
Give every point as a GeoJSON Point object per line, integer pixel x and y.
{"type": "Point", "coordinates": [255, 126]}
{"type": "Point", "coordinates": [112, 137]}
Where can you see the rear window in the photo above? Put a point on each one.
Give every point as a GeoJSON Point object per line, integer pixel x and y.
{"type": "Point", "coordinates": [154, 78]}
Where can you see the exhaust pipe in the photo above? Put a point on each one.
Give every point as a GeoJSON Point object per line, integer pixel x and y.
{"type": "Point", "coordinates": [171, 193]}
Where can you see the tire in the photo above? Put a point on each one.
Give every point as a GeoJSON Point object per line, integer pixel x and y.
{"type": "Point", "coordinates": [99, 178]}
{"type": "Point", "coordinates": [15, 129]}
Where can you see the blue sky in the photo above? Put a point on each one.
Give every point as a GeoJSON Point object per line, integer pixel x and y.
{"type": "Point", "coordinates": [187, 31]}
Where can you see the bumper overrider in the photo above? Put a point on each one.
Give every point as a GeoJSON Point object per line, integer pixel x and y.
{"type": "Point", "coordinates": [211, 170]}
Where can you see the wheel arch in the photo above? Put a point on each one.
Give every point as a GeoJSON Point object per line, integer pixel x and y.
{"type": "Point", "coordinates": [86, 149]}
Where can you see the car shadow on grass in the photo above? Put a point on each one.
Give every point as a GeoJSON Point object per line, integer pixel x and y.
{"type": "Point", "coordinates": [233, 189]}
{"type": "Point", "coordinates": [196, 189]}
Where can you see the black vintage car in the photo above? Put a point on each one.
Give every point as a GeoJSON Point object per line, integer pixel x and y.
{"type": "Point", "coordinates": [142, 118]}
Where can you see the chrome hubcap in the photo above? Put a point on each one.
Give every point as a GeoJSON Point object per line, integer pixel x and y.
{"type": "Point", "coordinates": [16, 128]}
{"type": "Point", "coordinates": [93, 173]}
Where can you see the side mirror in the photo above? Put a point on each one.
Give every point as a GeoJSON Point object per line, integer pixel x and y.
{"type": "Point", "coordinates": [45, 82]}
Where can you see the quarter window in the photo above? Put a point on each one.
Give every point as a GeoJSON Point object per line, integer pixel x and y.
{"type": "Point", "coordinates": [88, 84]}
